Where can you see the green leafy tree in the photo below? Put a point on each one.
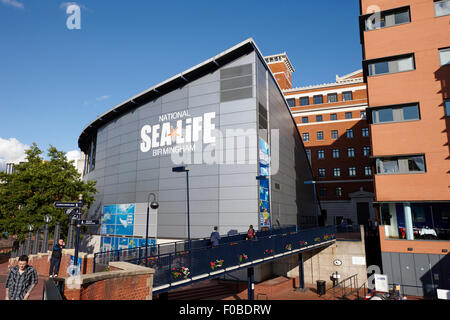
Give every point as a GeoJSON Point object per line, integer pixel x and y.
{"type": "Point", "coordinates": [29, 193]}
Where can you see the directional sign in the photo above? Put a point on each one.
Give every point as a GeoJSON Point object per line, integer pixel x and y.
{"type": "Point", "coordinates": [89, 222]}
{"type": "Point", "coordinates": [66, 205]}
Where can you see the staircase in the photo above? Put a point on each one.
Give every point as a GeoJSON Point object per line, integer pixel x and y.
{"type": "Point", "coordinates": [208, 290]}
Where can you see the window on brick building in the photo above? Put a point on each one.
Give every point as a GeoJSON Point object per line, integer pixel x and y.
{"type": "Point", "coordinates": [351, 152]}
{"type": "Point", "coordinates": [388, 18]}
{"type": "Point", "coordinates": [363, 114]}
{"type": "Point", "coordinates": [338, 191]}
{"type": "Point", "coordinates": [306, 136]}
{"type": "Point", "coordinates": [444, 55]}
{"type": "Point", "coordinates": [366, 151]}
{"type": "Point", "coordinates": [320, 135]}
{"type": "Point", "coordinates": [304, 101]}
{"type": "Point", "coordinates": [318, 99]}
{"type": "Point", "coordinates": [304, 119]}
{"type": "Point", "coordinates": [337, 172]}
{"type": "Point", "coordinates": [323, 192]}
{"type": "Point", "coordinates": [352, 171]}
{"type": "Point", "coordinates": [447, 107]}
{"type": "Point", "coordinates": [308, 154]}
{"type": "Point", "coordinates": [335, 153]}
{"type": "Point", "coordinates": [334, 134]}
{"type": "Point", "coordinates": [321, 173]}
{"type": "Point", "coordinates": [348, 115]}
{"type": "Point", "coordinates": [368, 171]}
{"type": "Point", "coordinates": [347, 96]}
{"type": "Point", "coordinates": [441, 8]}
{"type": "Point", "coordinates": [319, 118]}
{"type": "Point", "coordinates": [333, 116]}
{"type": "Point", "coordinates": [332, 97]}
{"type": "Point", "coordinates": [400, 113]}
{"type": "Point", "coordinates": [291, 102]}
{"type": "Point", "coordinates": [401, 164]}
{"type": "Point", "coordinates": [321, 154]}
{"type": "Point", "coordinates": [365, 132]}
{"type": "Point", "coordinates": [391, 65]}
{"type": "Point", "coordinates": [349, 133]}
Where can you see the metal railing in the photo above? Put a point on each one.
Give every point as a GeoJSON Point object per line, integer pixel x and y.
{"type": "Point", "coordinates": [51, 291]}
{"type": "Point", "coordinates": [176, 268]}
{"type": "Point", "coordinates": [102, 259]}
{"type": "Point", "coordinates": [346, 287]}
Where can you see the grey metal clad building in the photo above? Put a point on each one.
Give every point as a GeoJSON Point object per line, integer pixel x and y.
{"type": "Point", "coordinates": [228, 120]}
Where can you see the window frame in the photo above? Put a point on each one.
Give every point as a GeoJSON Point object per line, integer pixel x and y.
{"type": "Point", "coordinates": [399, 165]}
{"type": "Point", "coordinates": [322, 136]}
{"type": "Point", "coordinates": [305, 134]}
{"type": "Point", "coordinates": [347, 92]}
{"type": "Point", "coordinates": [347, 134]}
{"type": "Point", "coordinates": [332, 95]}
{"type": "Point", "coordinates": [289, 100]}
{"type": "Point", "coordinates": [331, 117]}
{"type": "Point", "coordinates": [368, 63]}
{"type": "Point", "coordinates": [447, 49]}
{"type": "Point", "coordinates": [304, 99]}
{"type": "Point", "coordinates": [375, 115]}
{"type": "Point", "coordinates": [383, 15]}
{"type": "Point", "coordinates": [337, 134]}
{"type": "Point", "coordinates": [317, 96]}
{"type": "Point", "coordinates": [434, 6]}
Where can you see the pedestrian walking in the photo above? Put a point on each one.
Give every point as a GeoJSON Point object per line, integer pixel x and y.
{"type": "Point", "coordinates": [215, 237]}
{"type": "Point", "coordinates": [21, 280]}
{"type": "Point", "coordinates": [56, 258]}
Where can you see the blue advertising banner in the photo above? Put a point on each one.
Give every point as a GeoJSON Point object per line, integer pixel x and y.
{"type": "Point", "coordinates": [264, 170]}
{"type": "Point", "coordinates": [118, 219]}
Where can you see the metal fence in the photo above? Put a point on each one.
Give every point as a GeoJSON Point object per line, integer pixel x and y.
{"type": "Point", "coordinates": [190, 264]}
{"type": "Point", "coordinates": [346, 287]}
{"type": "Point", "coordinates": [102, 259]}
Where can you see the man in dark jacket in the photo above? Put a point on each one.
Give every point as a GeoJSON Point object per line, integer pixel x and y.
{"type": "Point", "coordinates": [215, 237]}
{"type": "Point", "coordinates": [56, 258]}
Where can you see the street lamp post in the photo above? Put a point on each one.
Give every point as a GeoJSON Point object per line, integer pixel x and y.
{"type": "Point", "coordinates": [47, 219]}
{"type": "Point", "coordinates": [154, 205]}
{"type": "Point", "coordinates": [77, 242]}
{"type": "Point", "coordinates": [30, 234]}
{"type": "Point", "coordinates": [184, 169]}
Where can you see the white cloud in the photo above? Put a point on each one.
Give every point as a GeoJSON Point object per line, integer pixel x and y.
{"type": "Point", "coordinates": [73, 155]}
{"type": "Point", "coordinates": [102, 98]}
{"type": "Point", "coordinates": [11, 151]}
{"type": "Point", "coordinates": [13, 3]}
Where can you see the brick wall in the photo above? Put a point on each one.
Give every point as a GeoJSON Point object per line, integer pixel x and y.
{"type": "Point", "coordinates": [41, 262]}
{"type": "Point", "coordinates": [124, 282]}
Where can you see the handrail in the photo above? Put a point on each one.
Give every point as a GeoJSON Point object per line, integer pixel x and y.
{"type": "Point", "coordinates": [183, 245]}
{"type": "Point", "coordinates": [343, 287]}
{"type": "Point", "coordinates": [51, 291]}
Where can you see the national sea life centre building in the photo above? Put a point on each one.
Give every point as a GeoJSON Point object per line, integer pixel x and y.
{"type": "Point", "coordinates": [226, 120]}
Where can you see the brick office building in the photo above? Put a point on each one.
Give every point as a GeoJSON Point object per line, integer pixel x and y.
{"type": "Point", "coordinates": [331, 119]}
{"type": "Point", "coordinates": [406, 52]}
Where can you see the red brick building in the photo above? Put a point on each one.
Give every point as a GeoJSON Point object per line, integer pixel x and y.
{"type": "Point", "coordinates": [331, 119]}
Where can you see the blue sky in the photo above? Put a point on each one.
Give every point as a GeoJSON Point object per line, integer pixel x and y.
{"type": "Point", "coordinates": [54, 81]}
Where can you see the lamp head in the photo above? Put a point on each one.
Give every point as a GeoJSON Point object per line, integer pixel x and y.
{"type": "Point", "coordinates": [154, 205]}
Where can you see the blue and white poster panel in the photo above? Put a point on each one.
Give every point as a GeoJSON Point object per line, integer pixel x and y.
{"type": "Point", "coordinates": [115, 243]}
{"type": "Point", "coordinates": [264, 170]}
{"type": "Point", "coordinates": [118, 219]}
{"type": "Point", "coordinates": [72, 270]}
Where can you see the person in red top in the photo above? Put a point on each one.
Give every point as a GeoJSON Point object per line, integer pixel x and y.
{"type": "Point", "coordinates": [251, 234]}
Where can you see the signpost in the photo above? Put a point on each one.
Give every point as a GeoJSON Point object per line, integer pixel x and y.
{"type": "Point", "coordinates": [89, 222]}
{"type": "Point", "coordinates": [73, 209]}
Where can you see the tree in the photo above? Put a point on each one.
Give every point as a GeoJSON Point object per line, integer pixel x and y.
{"type": "Point", "coordinates": [28, 194]}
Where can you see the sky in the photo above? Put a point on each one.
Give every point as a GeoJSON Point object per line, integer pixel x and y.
{"type": "Point", "coordinates": [55, 80]}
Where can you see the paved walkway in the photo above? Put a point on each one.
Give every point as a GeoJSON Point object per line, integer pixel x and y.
{"type": "Point", "coordinates": [36, 294]}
